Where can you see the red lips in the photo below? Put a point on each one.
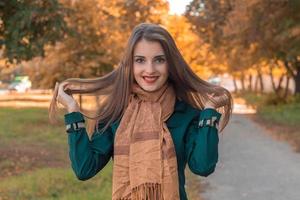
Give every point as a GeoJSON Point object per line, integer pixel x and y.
{"type": "Point", "coordinates": [150, 79]}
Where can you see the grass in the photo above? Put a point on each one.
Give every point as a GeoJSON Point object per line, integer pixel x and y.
{"type": "Point", "coordinates": [285, 112]}
{"type": "Point", "coordinates": [34, 163]}
{"type": "Point", "coordinates": [55, 183]}
{"type": "Point", "coordinates": [29, 125]}
{"type": "Point", "coordinates": [281, 116]}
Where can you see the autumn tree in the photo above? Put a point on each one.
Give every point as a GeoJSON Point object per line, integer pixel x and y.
{"type": "Point", "coordinates": [27, 26]}
{"type": "Point", "coordinates": [102, 29]}
{"type": "Point", "coordinates": [275, 26]}
{"type": "Point", "coordinates": [193, 49]}
{"type": "Point", "coordinates": [248, 33]}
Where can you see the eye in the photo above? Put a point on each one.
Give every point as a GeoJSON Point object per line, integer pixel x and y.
{"type": "Point", "coordinates": [139, 60]}
{"type": "Point", "coordinates": [160, 60]}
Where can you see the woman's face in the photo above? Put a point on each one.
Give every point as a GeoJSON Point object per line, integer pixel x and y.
{"type": "Point", "coordinates": [149, 65]}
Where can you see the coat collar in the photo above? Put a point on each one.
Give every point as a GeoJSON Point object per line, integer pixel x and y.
{"type": "Point", "coordinates": [180, 105]}
{"type": "Point", "coordinates": [179, 108]}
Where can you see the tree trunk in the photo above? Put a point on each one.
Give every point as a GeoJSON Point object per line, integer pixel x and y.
{"type": "Point", "coordinates": [287, 83]}
{"type": "Point", "coordinates": [243, 81]}
{"type": "Point", "coordinates": [256, 84]}
{"type": "Point", "coordinates": [272, 79]}
{"type": "Point", "coordinates": [261, 82]}
{"type": "Point", "coordinates": [294, 73]}
{"type": "Point", "coordinates": [250, 83]}
{"type": "Point", "coordinates": [235, 85]}
{"type": "Point", "coordinates": [297, 79]}
{"type": "Point", "coordinates": [278, 88]}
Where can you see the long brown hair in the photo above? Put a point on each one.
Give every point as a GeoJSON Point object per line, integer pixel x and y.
{"type": "Point", "coordinates": [116, 85]}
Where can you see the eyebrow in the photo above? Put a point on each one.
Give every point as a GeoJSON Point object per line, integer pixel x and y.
{"type": "Point", "coordinates": [162, 55]}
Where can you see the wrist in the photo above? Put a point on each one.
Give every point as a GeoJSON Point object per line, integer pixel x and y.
{"type": "Point", "coordinates": [73, 107]}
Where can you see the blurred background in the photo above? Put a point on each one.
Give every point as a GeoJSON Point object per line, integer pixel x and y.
{"type": "Point", "coordinates": [252, 48]}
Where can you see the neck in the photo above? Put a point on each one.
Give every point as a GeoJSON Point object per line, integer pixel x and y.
{"type": "Point", "coordinates": [150, 96]}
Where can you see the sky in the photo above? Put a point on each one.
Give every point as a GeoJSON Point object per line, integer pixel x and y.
{"type": "Point", "coordinates": [178, 6]}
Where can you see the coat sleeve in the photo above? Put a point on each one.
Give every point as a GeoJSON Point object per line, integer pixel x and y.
{"type": "Point", "coordinates": [87, 156]}
{"type": "Point", "coordinates": [201, 145]}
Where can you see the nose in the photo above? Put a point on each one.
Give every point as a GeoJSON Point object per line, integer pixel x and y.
{"type": "Point", "coordinates": [149, 68]}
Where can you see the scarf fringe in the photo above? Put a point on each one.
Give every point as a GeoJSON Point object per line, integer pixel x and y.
{"type": "Point", "coordinates": [146, 191]}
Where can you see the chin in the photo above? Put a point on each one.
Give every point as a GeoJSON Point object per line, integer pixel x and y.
{"type": "Point", "coordinates": [151, 88]}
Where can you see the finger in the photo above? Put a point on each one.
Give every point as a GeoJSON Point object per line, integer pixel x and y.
{"type": "Point", "coordinates": [61, 88]}
{"type": "Point", "coordinates": [64, 87]}
{"type": "Point", "coordinates": [56, 86]}
{"type": "Point", "coordinates": [60, 93]}
{"type": "Point", "coordinates": [56, 89]}
{"type": "Point", "coordinates": [58, 98]}
{"type": "Point", "coordinates": [63, 84]}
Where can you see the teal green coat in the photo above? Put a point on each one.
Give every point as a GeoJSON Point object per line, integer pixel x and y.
{"type": "Point", "coordinates": [195, 145]}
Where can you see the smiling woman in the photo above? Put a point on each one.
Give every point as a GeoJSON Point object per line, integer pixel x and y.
{"type": "Point", "coordinates": [157, 117]}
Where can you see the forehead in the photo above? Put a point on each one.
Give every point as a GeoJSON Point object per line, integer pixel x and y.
{"type": "Point", "coordinates": [148, 48]}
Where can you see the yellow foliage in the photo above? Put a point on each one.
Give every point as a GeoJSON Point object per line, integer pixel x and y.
{"type": "Point", "coordinates": [190, 45]}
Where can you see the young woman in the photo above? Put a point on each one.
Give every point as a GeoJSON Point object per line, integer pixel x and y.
{"type": "Point", "coordinates": [157, 117]}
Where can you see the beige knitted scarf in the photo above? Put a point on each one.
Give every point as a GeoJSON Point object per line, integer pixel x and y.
{"type": "Point", "coordinates": [145, 165]}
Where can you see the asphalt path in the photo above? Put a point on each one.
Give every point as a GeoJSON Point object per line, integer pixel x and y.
{"type": "Point", "coordinates": [252, 165]}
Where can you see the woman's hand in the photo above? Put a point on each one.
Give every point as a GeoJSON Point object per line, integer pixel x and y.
{"type": "Point", "coordinates": [66, 100]}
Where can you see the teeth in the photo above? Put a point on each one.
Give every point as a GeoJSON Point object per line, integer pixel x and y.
{"type": "Point", "coordinates": [150, 78]}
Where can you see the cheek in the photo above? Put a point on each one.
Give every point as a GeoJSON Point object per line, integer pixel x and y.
{"type": "Point", "coordinates": [165, 71]}
{"type": "Point", "coordinates": [136, 72]}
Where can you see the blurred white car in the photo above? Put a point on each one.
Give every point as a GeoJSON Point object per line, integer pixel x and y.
{"type": "Point", "coordinates": [216, 80]}
{"type": "Point", "coordinates": [20, 84]}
